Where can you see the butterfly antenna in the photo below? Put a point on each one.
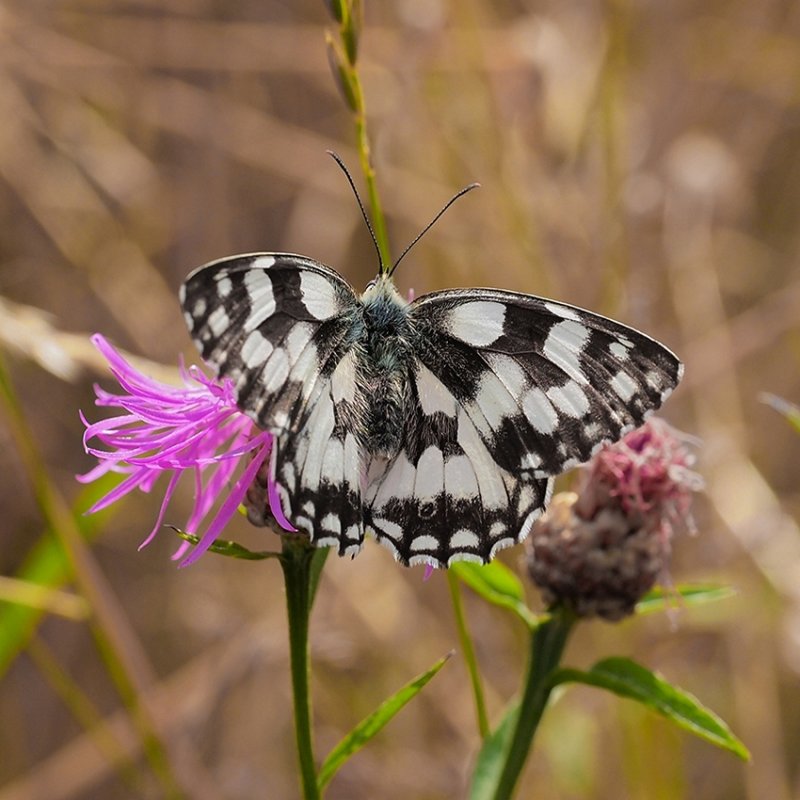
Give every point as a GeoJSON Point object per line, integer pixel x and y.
{"type": "Point", "coordinates": [432, 223]}
{"type": "Point", "coordinates": [364, 214]}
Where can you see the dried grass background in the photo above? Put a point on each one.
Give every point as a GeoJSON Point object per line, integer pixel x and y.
{"type": "Point", "coordinates": [642, 159]}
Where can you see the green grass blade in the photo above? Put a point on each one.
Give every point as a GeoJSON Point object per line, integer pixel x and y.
{"type": "Point", "coordinates": [680, 596]}
{"type": "Point", "coordinates": [371, 725]}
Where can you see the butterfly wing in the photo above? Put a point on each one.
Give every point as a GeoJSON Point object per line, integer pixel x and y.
{"type": "Point", "coordinates": [545, 384]}
{"type": "Point", "coordinates": [282, 328]}
{"type": "Point", "coordinates": [443, 497]}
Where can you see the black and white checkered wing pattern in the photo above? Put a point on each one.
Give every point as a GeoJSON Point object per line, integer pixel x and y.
{"type": "Point", "coordinates": [544, 384]}
{"type": "Point", "coordinates": [281, 328]}
{"type": "Point", "coordinates": [444, 497]}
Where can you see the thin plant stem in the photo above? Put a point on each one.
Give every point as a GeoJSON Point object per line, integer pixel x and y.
{"type": "Point", "coordinates": [296, 561]}
{"type": "Point", "coordinates": [469, 654]}
{"type": "Point", "coordinates": [345, 57]}
{"type": "Point", "coordinates": [103, 622]}
{"type": "Point", "coordinates": [546, 648]}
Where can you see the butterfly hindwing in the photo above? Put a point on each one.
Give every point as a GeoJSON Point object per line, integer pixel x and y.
{"type": "Point", "coordinates": [443, 497]}
{"type": "Point", "coordinates": [544, 383]}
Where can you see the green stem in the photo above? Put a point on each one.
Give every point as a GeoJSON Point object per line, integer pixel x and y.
{"type": "Point", "coordinates": [296, 561]}
{"type": "Point", "coordinates": [547, 645]}
{"type": "Point", "coordinates": [469, 654]}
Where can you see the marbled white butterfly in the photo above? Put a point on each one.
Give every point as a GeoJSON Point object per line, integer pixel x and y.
{"type": "Point", "coordinates": [436, 425]}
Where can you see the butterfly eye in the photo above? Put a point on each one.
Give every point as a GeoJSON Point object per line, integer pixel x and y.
{"type": "Point", "coordinates": [372, 283]}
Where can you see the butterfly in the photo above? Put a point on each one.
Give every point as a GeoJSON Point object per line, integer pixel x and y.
{"type": "Point", "coordinates": [436, 425]}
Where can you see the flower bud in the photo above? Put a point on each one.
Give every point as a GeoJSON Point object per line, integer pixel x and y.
{"type": "Point", "coordinates": [598, 551]}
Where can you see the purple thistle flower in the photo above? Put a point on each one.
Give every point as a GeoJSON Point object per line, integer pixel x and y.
{"type": "Point", "coordinates": [598, 551]}
{"type": "Point", "coordinates": [167, 429]}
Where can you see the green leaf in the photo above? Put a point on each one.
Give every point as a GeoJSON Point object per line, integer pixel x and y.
{"type": "Point", "coordinates": [371, 725]}
{"type": "Point", "coordinates": [224, 547]}
{"type": "Point", "coordinates": [497, 584]}
{"type": "Point", "coordinates": [492, 756]}
{"type": "Point", "coordinates": [789, 410]}
{"type": "Point", "coordinates": [680, 596]}
{"type": "Point", "coordinates": [628, 679]}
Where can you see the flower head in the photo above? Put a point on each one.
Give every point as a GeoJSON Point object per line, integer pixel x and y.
{"type": "Point", "coordinates": [167, 429]}
{"type": "Point", "coordinates": [598, 551]}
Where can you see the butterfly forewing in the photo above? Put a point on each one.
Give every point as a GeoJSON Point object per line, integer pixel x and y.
{"type": "Point", "coordinates": [545, 384]}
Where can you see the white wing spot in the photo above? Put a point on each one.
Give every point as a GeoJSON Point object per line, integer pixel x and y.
{"type": "Point", "coordinates": [569, 399]}
{"type": "Point", "coordinates": [623, 385]}
{"type": "Point", "coordinates": [619, 350]}
{"type": "Point", "coordinates": [332, 462]}
{"type": "Point", "coordinates": [464, 538]}
{"type": "Point", "coordinates": [565, 312]}
{"type": "Point", "coordinates": [530, 461]}
{"type": "Point", "coordinates": [255, 350]}
{"type": "Point", "coordinates": [459, 478]}
{"type": "Point", "coordinates": [224, 285]}
{"type": "Point", "coordinates": [297, 339]}
{"type": "Point", "coordinates": [497, 529]}
{"type": "Point", "coordinates": [397, 482]}
{"type": "Point", "coordinates": [509, 372]}
{"type": "Point", "coordinates": [433, 395]}
{"type": "Point", "coordinates": [218, 321]}
{"type": "Point", "coordinates": [308, 508]}
{"type": "Point", "coordinates": [317, 295]}
{"type": "Point", "coordinates": [564, 345]}
{"type": "Point", "coordinates": [331, 523]}
{"type": "Point", "coordinates": [479, 323]}
{"type": "Point", "coordinates": [493, 401]}
{"type": "Point", "coordinates": [200, 307]}
{"type": "Point", "coordinates": [490, 484]}
{"type": "Point", "coordinates": [262, 300]}
{"type": "Point", "coordinates": [288, 476]}
{"type": "Point", "coordinates": [429, 481]}
{"type": "Point", "coordinates": [353, 532]}
{"type": "Point", "coordinates": [276, 371]}
{"type": "Point", "coordinates": [388, 527]}
{"type": "Point", "coordinates": [425, 542]}
{"type": "Point", "coordinates": [539, 411]}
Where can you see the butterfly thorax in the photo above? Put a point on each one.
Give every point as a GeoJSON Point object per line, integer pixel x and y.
{"type": "Point", "coordinates": [385, 366]}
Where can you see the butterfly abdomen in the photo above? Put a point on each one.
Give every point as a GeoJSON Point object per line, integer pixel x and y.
{"type": "Point", "coordinates": [387, 360]}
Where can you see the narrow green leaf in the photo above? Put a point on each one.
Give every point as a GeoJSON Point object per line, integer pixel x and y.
{"type": "Point", "coordinates": [492, 756]}
{"type": "Point", "coordinates": [497, 584]}
{"type": "Point", "coordinates": [628, 679]}
{"type": "Point", "coordinates": [224, 547]}
{"type": "Point", "coordinates": [789, 410]}
{"type": "Point", "coordinates": [680, 596]}
{"type": "Point", "coordinates": [371, 725]}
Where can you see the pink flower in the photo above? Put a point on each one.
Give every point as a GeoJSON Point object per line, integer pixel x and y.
{"type": "Point", "coordinates": [600, 550]}
{"type": "Point", "coordinates": [165, 429]}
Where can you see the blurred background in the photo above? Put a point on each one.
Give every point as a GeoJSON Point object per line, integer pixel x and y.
{"type": "Point", "coordinates": [641, 159]}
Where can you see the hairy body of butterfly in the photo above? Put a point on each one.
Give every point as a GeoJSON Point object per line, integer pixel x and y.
{"type": "Point", "coordinates": [435, 425]}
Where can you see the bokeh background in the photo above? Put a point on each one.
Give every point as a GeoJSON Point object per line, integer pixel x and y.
{"type": "Point", "coordinates": [638, 158]}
